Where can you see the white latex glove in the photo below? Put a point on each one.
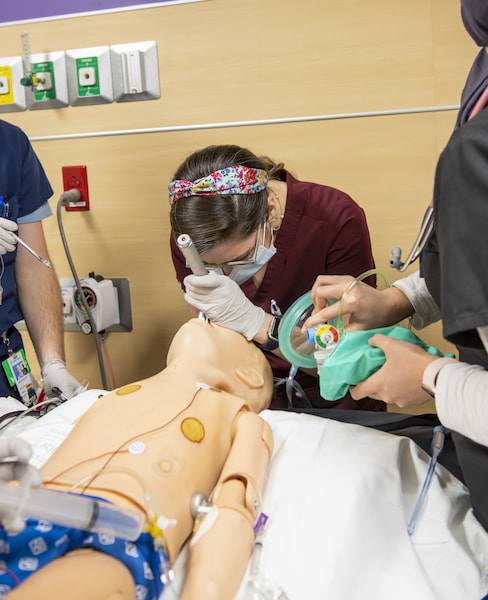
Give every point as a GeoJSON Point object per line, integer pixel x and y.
{"type": "Point", "coordinates": [7, 241]}
{"type": "Point", "coordinates": [224, 303]}
{"type": "Point", "coordinates": [16, 470]}
{"type": "Point", "coordinates": [55, 374]}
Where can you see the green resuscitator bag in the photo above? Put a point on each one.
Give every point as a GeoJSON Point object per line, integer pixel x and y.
{"type": "Point", "coordinates": [354, 360]}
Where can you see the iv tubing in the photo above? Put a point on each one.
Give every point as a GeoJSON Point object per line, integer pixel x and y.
{"type": "Point", "coordinates": [22, 413]}
{"type": "Point", "coordinates": [436, 449]}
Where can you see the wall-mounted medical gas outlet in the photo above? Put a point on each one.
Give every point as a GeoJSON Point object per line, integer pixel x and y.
{"type": "Point", "coordinates": [12, 92]}
{"type": "Point", "coordinates": [135, 71]}
{"type": "Point", "coordinates": [100, 298]}
{"type": "Point", "coordinates": [76, 178]}
{"type": "Point", "coordinates": [48, 87]}
{"type": "Point", "coordinates": [109, 301]}
{"type": "Point", "coordinates": [89, 76]}
{"type": "Point", "coordinates": [122, 320]}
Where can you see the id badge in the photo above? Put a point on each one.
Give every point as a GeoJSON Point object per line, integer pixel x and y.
{"type": "Point", "coordinates": [17, 371]}
{"type": "Point", "coordinates": [4, 206]}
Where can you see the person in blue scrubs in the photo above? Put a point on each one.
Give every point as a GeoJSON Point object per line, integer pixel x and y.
{"type": "Point", "coordinates": [28, 289]}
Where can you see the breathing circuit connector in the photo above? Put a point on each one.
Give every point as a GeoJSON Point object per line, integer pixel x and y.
{"type": "Point", "coordinates": [437, 441]}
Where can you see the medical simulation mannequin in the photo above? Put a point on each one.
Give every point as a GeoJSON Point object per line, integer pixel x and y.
{"type": "Point", "coordinates": [191, 428]}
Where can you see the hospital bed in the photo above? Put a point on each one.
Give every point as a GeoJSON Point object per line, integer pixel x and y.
{"type": "Point", "coordinates": [338, 497]}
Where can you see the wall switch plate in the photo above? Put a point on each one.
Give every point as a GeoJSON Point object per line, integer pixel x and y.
{"type": "Point", "coordinates": [89, 76]}
{"type": "Point", "coordinates": [135, 71]}
{"type": "Point", "coordinates": [51, 89]}
{"type": "Point", "coordinates": [76, 178]}
{"type": "Point", "coordinates": [12, 92]}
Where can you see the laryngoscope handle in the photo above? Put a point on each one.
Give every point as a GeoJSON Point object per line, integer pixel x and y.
{"type": "Point", "coordinates": [189, 251]}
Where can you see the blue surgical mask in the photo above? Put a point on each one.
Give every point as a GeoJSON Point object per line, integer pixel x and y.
{"type": "Point", "coordinates": [242, 273]}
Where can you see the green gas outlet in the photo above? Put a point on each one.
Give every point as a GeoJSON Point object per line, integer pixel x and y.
{"type": "Point", "coordinates": [45, 88]}
{"type": "Point", "coordinates": [48, 88]}
{"type": "Point", "coordinates": [88, 76]}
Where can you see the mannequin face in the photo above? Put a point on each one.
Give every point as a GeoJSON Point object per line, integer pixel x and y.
{"type": "Point", "coordinates": [222, 358]}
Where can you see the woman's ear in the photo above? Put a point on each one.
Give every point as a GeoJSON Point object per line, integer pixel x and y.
{"type": "Point", "coordinates": [275, 209]}
{"type": "Point", "coordinates": [251, 377]}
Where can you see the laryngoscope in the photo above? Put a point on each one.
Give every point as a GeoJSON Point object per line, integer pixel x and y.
{"type": "Point", "coordinates": [194, 260]}
{"type": "Point", "coordinates": [185, 244]}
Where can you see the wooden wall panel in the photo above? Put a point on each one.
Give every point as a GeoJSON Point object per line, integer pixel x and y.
{"type": "Point", "coordinates": [231, 61]}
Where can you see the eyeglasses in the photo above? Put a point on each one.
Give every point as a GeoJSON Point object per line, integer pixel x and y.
{"type": "Point", "coordinates": [245, 261]}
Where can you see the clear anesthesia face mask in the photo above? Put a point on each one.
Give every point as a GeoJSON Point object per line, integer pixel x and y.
{"type": "Point", "coordinates": [307, 349]}
{"type": "Point", "coordinates": [300, 347]}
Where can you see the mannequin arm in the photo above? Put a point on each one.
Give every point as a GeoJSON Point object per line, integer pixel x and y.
{"type": "Point", "coordinates": [220, 550]}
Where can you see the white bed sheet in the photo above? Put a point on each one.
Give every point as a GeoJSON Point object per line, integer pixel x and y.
{"type": "Point", "coordinates": [339, 498]}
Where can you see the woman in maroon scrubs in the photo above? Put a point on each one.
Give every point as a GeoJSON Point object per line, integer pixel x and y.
{"type": "Point", "coordinates": [271, 234]}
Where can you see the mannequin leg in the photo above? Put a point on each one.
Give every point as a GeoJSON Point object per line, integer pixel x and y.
{"type": "Point", "coordinates": [79, 575]}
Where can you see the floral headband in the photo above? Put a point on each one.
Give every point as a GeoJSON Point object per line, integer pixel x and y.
{"type": "Point", "coordinates": [232, 180]}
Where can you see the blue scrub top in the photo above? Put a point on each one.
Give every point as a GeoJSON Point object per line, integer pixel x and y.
{"type": "Point", "coordinates": [24, 183]}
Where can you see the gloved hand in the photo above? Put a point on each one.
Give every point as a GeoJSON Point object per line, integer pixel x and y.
{"type": "Point", "coordinates": [16, 470]}
{"type": "Point", "coordinates": [224, 303]}
{"type": "Point", "coordinates": [7, 241]}
{"type": "Point", "coordinates": [55, 375]}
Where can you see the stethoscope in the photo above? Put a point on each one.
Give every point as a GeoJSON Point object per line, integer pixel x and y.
{"type": "Point", "coordinates": [419, 244]}
{"type": "Point", "coordinates": [428, 219]}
